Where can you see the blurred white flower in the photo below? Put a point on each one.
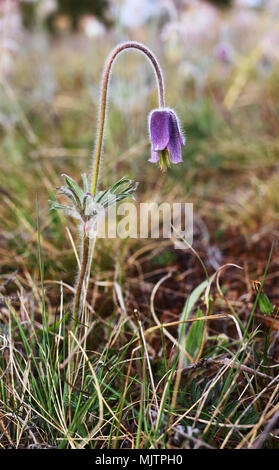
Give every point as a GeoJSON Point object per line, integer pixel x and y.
{"type": "Point", "coordinates": [200, 21]}
{"type": "Point", "coordinates": [135, 13]}
{"type": "Point", "coordinates": [91, 27]}
{"type": "Point", "coordinates": [273, 7]}
{"type": "Point", "coordinates": [244, 26]}
{"type": "Point", "coordinates": [197, 23]}
{"type": "Point", "coordinates": [10, 33]}
{"type": "Point", "coordinates": [46, 7]}
{"type": "Point", "coordinates": [250, 3]}
{"type": "Point", "coordinates": [270, 44]}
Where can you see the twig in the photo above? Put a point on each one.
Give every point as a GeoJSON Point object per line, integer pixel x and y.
{"type": "Point", "coordinates": [264, 435]}
{"type": "Point", "coordinates": [207, 362]}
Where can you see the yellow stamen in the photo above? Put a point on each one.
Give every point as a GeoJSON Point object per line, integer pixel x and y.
{"type": "Point", "coordinates": [164, 160]}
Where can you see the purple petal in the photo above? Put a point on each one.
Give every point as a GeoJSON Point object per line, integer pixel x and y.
{"type": "Point", "coordinates": [159, 129]}
{"type": "Point", "coordinates": [175, 142]}
{"type": "Point", "coordinates": [182, 139]}
{"type": "Point", "coordinates": [174, 149]}
{"type": "Point", "coordinates": [154, 156]}
{"type": "Point", "coordinates": [177, 130]}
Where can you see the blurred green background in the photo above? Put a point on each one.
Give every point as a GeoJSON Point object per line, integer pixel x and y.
{"type": "Point", "coordinates": [220, 62]}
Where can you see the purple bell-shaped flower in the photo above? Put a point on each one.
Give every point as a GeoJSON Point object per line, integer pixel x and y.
{"type": "Point", "coordinates": [166, 138]}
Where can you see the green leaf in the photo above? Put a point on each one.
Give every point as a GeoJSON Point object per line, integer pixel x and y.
{"type": "Point", "coordinates": [119, 191]}
{"type": "Point", "coordinates": [195, 336]}
{"type": "Point", "coordinates": [69, 194]}
{"type": "Point", "coordinates": [101, 195]}
{"type": "Point", "coordinates": [265, 305]}
{"type": "Point", "coordinates": [191, 300]}
{"type": "Point", "coordinates": [119, 183]}
{"type": "Point", "coordinates": [188, 307]}
{"type": "Point", "coordinates": [53, 205]}
{"type": "Point", "coordinates": [85, 183]}
{"type": "Point", "coordinates": [74, 187]}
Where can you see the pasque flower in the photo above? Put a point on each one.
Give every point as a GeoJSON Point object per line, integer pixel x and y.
{"type": "Point", "coordinates": [86, 204]}
{"type": "Point", "coordinates": [166, 138]}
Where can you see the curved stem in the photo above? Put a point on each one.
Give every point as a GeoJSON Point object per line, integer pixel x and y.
{"type": "Point", "coordinates": [103, 101]}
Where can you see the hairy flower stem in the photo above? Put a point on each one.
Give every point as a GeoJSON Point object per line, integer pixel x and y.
{"type": "Point", "coordinates": [103, 101]}
{"type": "Point", "coordinates": [80, 284]}
{"type": "Point", "coordinates": [86, 258]}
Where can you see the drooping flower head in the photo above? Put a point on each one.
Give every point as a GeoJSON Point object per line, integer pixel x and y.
{"type": "Point", "coordinates": [166, 138]}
